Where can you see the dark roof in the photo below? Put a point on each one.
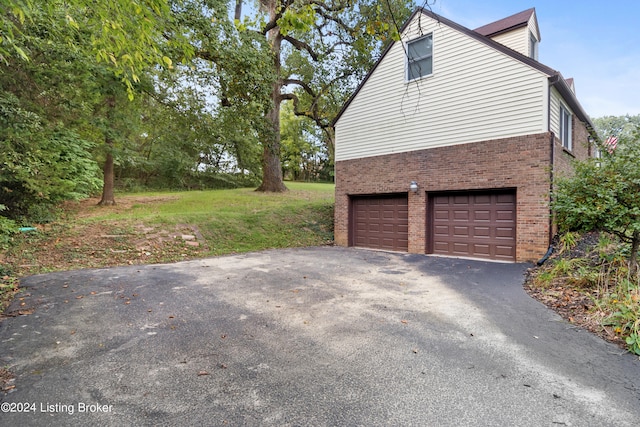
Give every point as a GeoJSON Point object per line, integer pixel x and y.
{"type": "Point", "coordinates": [507, 24]}
{"type": "Point", "coordinates": [555, 78]}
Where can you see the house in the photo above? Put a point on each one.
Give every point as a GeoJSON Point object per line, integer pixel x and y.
{"type": "Point", "coordinates": [450, 144]}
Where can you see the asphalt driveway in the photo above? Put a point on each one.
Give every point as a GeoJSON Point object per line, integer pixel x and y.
{"type": "Point", "coordinates": [317, 336]}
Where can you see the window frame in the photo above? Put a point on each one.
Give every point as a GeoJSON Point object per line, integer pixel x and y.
{"type": "Point", "coordinates": [533, 46]}
{"type": "Point", "coordinates": [410, 60]}
{"type": "Point", "coordinates": [566, 122]}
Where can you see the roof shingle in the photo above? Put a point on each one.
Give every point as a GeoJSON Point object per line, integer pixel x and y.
{"type": "Point", "coordinates": [509, 23]}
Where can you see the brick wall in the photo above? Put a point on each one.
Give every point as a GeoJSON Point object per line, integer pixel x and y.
{"type": "Point", "coordinates": [521, 163]}
{"type": "Point", "coordinates": [563, 159]}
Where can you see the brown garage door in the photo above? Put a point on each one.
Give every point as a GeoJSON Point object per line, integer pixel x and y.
{"type": "Point", "coordinates": [380, 222]}
{"type": "Point", "coordinates": [474, 224]}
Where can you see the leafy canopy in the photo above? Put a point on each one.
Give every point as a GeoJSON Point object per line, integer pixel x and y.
{"type": "Point", "coordinates": [604, 194]}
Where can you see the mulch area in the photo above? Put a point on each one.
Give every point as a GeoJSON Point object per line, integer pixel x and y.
{"type": "Point", "coordinates": [573, 303]}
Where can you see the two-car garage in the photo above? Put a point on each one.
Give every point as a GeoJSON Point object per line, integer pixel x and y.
{"type": "Point", "coordinates": [476, 224]}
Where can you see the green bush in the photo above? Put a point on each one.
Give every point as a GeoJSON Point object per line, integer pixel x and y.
{"type": "Point", "coordinates": [40, 165]}
{"type": "Point", "coordinates": [8, 228]}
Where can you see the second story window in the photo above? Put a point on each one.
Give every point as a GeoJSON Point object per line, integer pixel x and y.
{"type": "Point", "coordinates": [533, 47]}
{"type": "Point", "coordinates": [420, 57]}
{"type": "Point", "coordinates": [565, 128]}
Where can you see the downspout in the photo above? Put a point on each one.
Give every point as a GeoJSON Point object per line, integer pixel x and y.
{"type": "Point", "coordinates": [552, 149]}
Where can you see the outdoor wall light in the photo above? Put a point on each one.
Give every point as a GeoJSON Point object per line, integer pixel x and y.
{"type": "Point", "coordinates": [414, 186]}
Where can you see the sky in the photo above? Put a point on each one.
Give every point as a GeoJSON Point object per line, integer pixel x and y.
{"type": "Point", "coordinates": [597, 42]}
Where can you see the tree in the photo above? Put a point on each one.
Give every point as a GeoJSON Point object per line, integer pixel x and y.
{"type": "Point", "coordinates": [118, 41]}
{"type": "Point", "coordinates": [303, 156]}
{"type": "Point", "coordinates": [604, 194]}
{"type": "Point", "coordinates": [621, 126]}
{"type": "Point", "coordinates": [319, 49]}
{"type": "Point", "coordinates": [40, 164]}
{"type": "Point", "coordinates": [122, 34]}
{"type": "Point", "coordinates": [45, 142]}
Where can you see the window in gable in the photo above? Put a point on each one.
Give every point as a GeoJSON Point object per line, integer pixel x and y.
{"type": "Point", "coordinates": [533, 47]}
{"type": "Point", "coordinates": [420, 57]}
{"type": "Point", "coordinates": [565, 128]}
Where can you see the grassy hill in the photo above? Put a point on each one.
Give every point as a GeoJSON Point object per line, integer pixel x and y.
{"type": "Point", "coordinates": [145, 228]}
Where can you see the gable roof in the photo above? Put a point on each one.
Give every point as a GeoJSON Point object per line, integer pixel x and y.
{"type": "Point", "coordinates": [507, 24]}
{"type": "Point", "coordinates": [555, 78]}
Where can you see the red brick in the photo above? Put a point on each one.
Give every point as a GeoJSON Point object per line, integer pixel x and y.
{"type": "Point", "coordinates": [522, 163]}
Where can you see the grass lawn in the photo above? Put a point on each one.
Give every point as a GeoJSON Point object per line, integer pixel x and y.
{"type": "Point", "coordinates": [146, 228]}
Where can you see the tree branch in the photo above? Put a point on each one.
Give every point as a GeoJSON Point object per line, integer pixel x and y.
{"type": "Point", "coordinates": [300, 45]}
{"type": "Point", "coordinates": [337, 20]}
{"type": "Point", "coordinates": [270, 25]}
{"type": "Point", "coordinates": [337, 8]}
{"type": "Point", "coordinates": [300, 83]}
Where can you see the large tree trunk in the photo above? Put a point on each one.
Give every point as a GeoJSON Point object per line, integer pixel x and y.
{"type": "Point", "coordinates": [108, 198]}
{"type": "Point", "coordinates": [271, 166]}
{"type": "Point", "coordinates": [330, 132]}
{"type": "Point", "coordinates": [238, 11]}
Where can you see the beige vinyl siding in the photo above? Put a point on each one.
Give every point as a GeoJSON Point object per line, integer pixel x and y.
{"type": "Point", "coordinates": [474, 94]}
{"type": "Point", "coordinates": [554, 112]}
{"type": "Point", "coordinates": [517, 40]}
{"type": "Point", "coordinates": [554, 118]}
{"type": "Point", "coordinates": [533, 27]}
{"type": "Point", "coordinates": [534, 32]}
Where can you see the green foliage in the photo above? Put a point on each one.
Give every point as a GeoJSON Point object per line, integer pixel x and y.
{"type": "Point", "coordinates": [624, 302]}
{"type": "Point", "coordinates": [621, 126]}
{"type": "Point", "coordinates": [567, 241]}
{"type": "Point", "coordinates": [230, 221]}
{"type": "Point", "coordinates": [8, 287]}
{"type": "Point", "coordinates": [299, 19]}
{"type": "Point", "coordinates": [596, 270]}
{"type": "Point", "coordinates": [8, 228]}
{"type": "Point", "coordinates": [603, 194]}
{"type": "Point", "coordinates": [303, 155]}
{"type": "Point", "coordinates": [123, 35]}
{"type": "Point", "coordinates": [40, 166]}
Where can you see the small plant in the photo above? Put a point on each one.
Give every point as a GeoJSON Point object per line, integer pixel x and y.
{"type": "Point", "coordinates": [605, 243]}
{"type": "Point", "coordinates": [625, 320]}
{"type": "Point", "coordinates": [568, 241]}
{"type": "Point", "coordinates": [8, 227]}
{"type": "Point", "coordinates": [599, 271]}
{"type": "Point", "coordinates": [8, 288]}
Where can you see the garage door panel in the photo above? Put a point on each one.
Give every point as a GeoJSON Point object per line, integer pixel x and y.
{"type": "Point", "coordinates": [461, 231]}
{"type": "Point", "coordinates": [461, 248]}
{"type": "Point", "coordinates": [482, 215]}
{"type": "Point", "coordinates": [482, 249]}
{"type": "Point", "coordinates": [461, 200]}
{"type": "Point", "coordinates": [441, 230]}
{"type": "Point", "coordinates": [380, 222]}
{"type": "Point", "coordinates": [441, 247]}
{"type": "Point", "coordinates": [441, 214]}
{"type": "Point", "coordinates": [461, 215]}
{"type": "Point", "coordinates": [482, 199]}
{"type": "Point", "coordinates": [481, 231]}
{"type": "Point", "coordinates": [505, 233]}
{"type": "Point", "coordinates": [475, 224]}
{"type": "Point", "coordinates": [388, 213]}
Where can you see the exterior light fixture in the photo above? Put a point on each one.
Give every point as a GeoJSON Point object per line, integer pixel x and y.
{"type": "Point", "coordinates": [413, 187]}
